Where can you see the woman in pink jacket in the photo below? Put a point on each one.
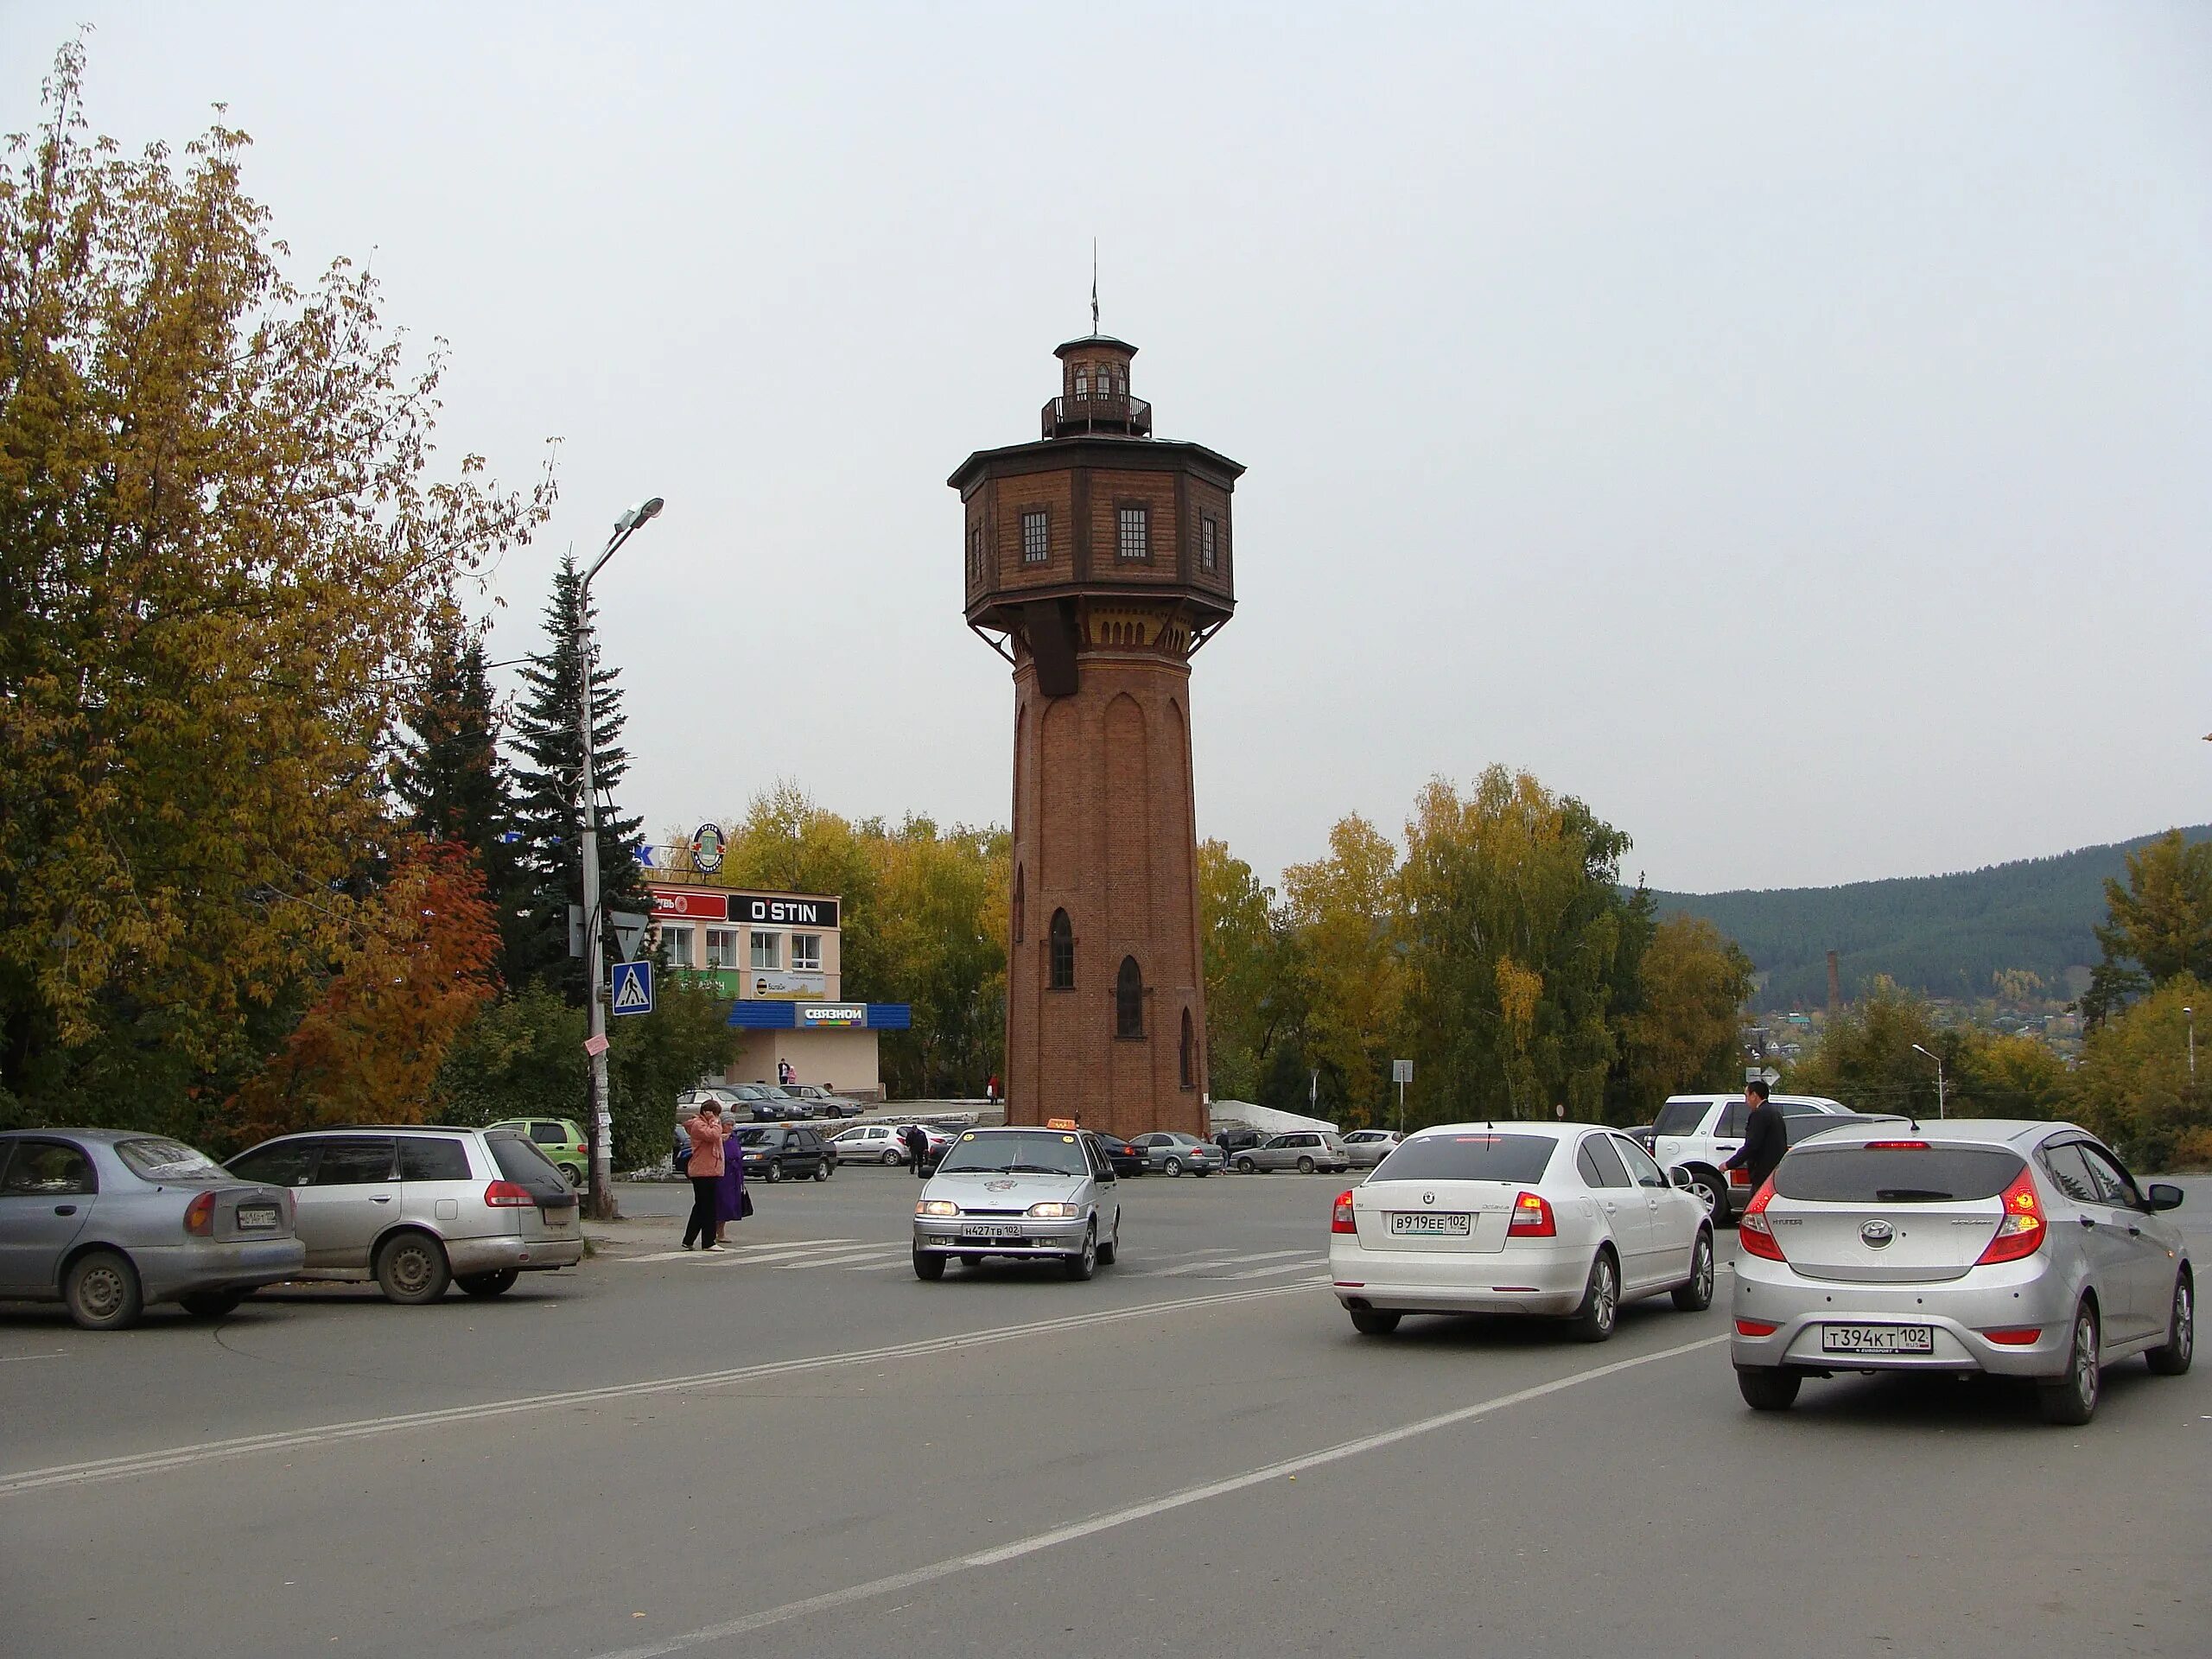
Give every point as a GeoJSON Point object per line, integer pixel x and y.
{"type": "Point", "coordinates": [707, 1132]}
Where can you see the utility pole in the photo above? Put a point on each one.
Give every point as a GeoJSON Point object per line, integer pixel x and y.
{"type": "Point", "coordinates": [600, 1197]}
{"type": "Point", "coordinates": [1938, 1059]}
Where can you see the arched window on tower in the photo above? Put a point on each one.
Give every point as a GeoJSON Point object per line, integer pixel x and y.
{"type": "Point", "coordinates": [1020, 899]}
{"type": "Point", "coordinates": [1129, 1000]}
{"type": "Point", "coordinates": [1061, 952]}
{"type": "Point", "coordinates": [1190, 1053]}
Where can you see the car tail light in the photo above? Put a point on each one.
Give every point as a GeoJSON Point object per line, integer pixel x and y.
{"type": "Point", "coordinates": [200, 1216]}
{"type": "Point", "coordinates": [1739, 1178]}
{"type": "Point", "coordinates": [1754, 1232]}
{"type": "Point", "coordinates": [506, 1195]}
{"type": "Point", "coordinates": [2022, 1231]}
{"type": "Point", "coordinates": [1532, 1218]}
{"type": "Point", "coordinates": [1755, 1328]}
{"type": "Point", "coordinates": [2019, 1336]}
{"type": "Point", "coordinates": [1340, 1219]}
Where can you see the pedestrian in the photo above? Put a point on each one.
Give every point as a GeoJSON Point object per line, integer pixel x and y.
{"type": "Point", "coordinates": [917, 1146]}
{"type": "Point", "coordinates": [782, 1074]}
{"type": "Point", "coordinates": [991, 1089]}
{"type": "Point", "coordinates": [732, 1202]}
{"type": "Point", "coordinates": [1765, 1136]}
{"type": "Point", "coordinates": [707, 1132]}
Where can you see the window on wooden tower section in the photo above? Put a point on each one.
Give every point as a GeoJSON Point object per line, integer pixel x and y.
{"type": "Point", "coordinates": [1209, 549]}
{"type": "Point", "coordinates": [1083, 385]}
{"type": "Point", "coordinates": [1061, 954]}
{"type": "Point", "coordinates": [1036, 537]}
{"type": "Point", "coordinates": [975, 555]}
{"type": "Point", "coordinates": [1137, 533]}
{"type": "Point", "coordinates": [1129, 1000]}
{"type": "Point", "coordinates": [1190, 1065]}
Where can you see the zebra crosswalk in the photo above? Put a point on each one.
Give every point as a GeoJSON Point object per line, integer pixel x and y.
{"type": "Point", "coordinates": [858, 1256]}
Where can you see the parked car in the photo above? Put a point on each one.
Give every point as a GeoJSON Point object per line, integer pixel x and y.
{"type": "Point", "coordinates": [940, 1141]}
{"type": "Point", "coordinates": [2011, 1248]}
{"type": "Point", "coordinates": [1559, 1220]}
{"type": "Point", "coordinates": [1701, 1133]}
{"type": "Point", "coordinates": [870, 1144]}
{"type": "Point", "coordinates": [418, 1207]}
{"type": "Point", "coordinates": [826, 1103]}
{"type": "Point", "coordinates": [1171, 1152]}
{"type": "Point", "coordinates": [561, 1138]}
{"type": "Point", "coordinates": [1304, 1150]}
{"type": "Point", "coordinates": [783, 1152]}
{"type": "Point", "coordinates": [1368, 1148]}
{"type": "Point", "coordinates": [106, 1221]}
{"type": "Point", "coordinates": [1124, 1155]}
{"type": "Point", "coordinates": [1023, 1192]}
{"type": "Point", "coordinates": [741, 1102]}
{"type": "Point", "coordinates": [1232, 1142]}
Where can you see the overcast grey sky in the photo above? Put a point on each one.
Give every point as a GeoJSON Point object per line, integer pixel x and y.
{"type": "Point", "coordinates": [1788, 428]}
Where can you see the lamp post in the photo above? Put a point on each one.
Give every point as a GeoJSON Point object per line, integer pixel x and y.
{"type": "Point", "coordinates": [1938, 1059]}
{"type": "Point", "coordinates": [601, 1197]}
{"type": "Point", "coordinates": [2190, 1014]}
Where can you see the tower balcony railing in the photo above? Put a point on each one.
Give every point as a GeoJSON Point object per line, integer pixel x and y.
{"type": "Point", "coordinates": [1065, 416]}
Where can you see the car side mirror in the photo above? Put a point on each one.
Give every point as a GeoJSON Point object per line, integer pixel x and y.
{"type": "Point", "coordinates": [2164, 1195]}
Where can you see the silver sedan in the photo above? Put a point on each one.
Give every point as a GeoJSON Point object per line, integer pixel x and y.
{"type": "Point", "coordinates": [108, 1220]}
{"type": "Point", "coordinates": [2017, 1248]}
{"type": "Point", "coordinates": [1032, 1192]}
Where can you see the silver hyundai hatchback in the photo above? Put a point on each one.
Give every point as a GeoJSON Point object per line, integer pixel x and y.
{"type": "Point", "coordinates": [2016, 1249]}
{"type": "Point", "coordinates": [417, 1207]}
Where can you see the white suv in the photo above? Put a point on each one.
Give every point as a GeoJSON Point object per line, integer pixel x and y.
{"type": "Point", "coordinates": [1701, 1133]}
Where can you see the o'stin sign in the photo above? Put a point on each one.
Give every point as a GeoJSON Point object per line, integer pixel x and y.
{"type": "Point", "coordinates": [707, 848]}
{"type": "Point", "coordinates": [833, 1014]}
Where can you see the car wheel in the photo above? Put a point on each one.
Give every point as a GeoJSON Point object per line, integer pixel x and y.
{"type": "Point", "coordinates": [1601, 1300]}
{"type": "Point", "coordinates": [2070, 1400]}
{"type": "Point", "coordinates": [211, 1303]}
{"type": "Point", "coordinates": [891, 1161]}
{"type": "Point", "coordinates": [1084, 1263]}
{"type": "Point", "coordinates": [573, 1175]}
{"type": "Point", "coordinates": [775, 1170]}
{"type": "Point", "coordinates": [498, 1283]}
{"type": "Point", "coordinates": [1200, 1171]}
{"type": "Point", "coordinates": [1172, 1166]}
{"type": "Point", "coordinates": [411, 1268]}
{"type": "Point", "coordinates": [1373, 1322]}
{"type": "Point", "coordinates": [1305, 1165]}
{"type": "Point", "coordinates": [929, 1265]}
{"type": "Point", "coordinates": [2171, 1358]}
{"type": "Point", "coordinates": [1695, 1295]}
{"type": "Point", "coordinates": [1246, 1166]}
{"type": "Point", "coordinates": [1767, 1387]}
{"type": "Point", "coordinates": [822, 1170]}
{"type": "Point", "coordinates": [101, 1291]}
{"type": "Point", "coordinates": [1712, 1192]}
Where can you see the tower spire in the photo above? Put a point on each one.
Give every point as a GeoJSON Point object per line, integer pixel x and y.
{"type": "Point", "coordinates": [1094, 285]}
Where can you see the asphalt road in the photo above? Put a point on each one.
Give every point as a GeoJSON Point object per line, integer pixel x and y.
{"type": "Point", "coordinates": [796, 1448]}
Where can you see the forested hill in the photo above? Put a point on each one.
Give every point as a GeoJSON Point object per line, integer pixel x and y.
{"type": "Point", "coordinates": [1941, 934]}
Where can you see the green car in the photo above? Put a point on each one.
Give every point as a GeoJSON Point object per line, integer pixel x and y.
{"type": "Point", "coordinates": [561, 1138]}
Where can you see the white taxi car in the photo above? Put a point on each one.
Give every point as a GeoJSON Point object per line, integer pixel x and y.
{"type": "Point", "coordinates": [1562, 1220]}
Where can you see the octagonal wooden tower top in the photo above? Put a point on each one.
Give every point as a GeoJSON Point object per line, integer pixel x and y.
{"type": "Point", "coordinates": [1096, 510]}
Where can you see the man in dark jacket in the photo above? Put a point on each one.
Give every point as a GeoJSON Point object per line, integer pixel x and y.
{"type": "Point", "coordinates": [917, 1146]}
{"type": "Point", "coordinates": [1765, 1137]}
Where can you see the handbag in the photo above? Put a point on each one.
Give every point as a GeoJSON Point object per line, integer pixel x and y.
{"type": "Point", "coordinates": [744, 1203]}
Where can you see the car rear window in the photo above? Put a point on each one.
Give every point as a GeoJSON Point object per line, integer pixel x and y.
{"type": "Point", "coordinates": [1876, 1174]}
{"type": "Point", "coordinates": [168, 1160]}
{"type": "Point", "coordinates": [1469, 1157]}
{"type": "Point", "coordinates": [1680, 1117]}
{"type": "Point", "coordinates": [522, 1163]}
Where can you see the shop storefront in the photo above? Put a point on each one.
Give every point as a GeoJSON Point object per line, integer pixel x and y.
{"type": "Point", "coordinates": [832, 1044]}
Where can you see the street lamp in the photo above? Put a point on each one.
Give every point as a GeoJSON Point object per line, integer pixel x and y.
{"type": "Point", "coordinates": [1938, 1059]}
{"type": "Point", "coordinates": [600, 1195]}
{"type": "Point", "coordinates": [2190, 1014]}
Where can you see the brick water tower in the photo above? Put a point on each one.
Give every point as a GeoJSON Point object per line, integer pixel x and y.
{"type": "Point", "coordinates": [1099, 560]}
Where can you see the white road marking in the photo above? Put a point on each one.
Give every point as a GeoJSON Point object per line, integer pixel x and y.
{"type": "Point", "coordinates": [743, 1252]}
{"type": "Point", "coordinates": [181, 1456]}
{"type": "Point", "coordinates": [840, 1261]}
{"type": "Point", "coordinates": [1303, 1265]}
{"type": "Point", "coordinates": [1225, 1261]}
{"type": "Point", "coordinates": [9, 1359]}
{"type": "Point", "coordinates": [874, 1588]}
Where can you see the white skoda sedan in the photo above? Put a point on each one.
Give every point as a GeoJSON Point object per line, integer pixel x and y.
{"type": "Point", "coordinates": [1560, 1220]}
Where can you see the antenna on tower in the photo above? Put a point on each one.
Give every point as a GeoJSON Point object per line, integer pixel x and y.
{"type": "Point", "coordinates": [1094, 285]}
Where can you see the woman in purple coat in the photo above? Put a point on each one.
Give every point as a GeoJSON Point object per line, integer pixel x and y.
{"type": "Point", "coordinates": [730, 1202]}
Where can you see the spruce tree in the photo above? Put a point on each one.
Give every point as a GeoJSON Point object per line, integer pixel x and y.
{"type": "Point", "coordinates": [547, 801]}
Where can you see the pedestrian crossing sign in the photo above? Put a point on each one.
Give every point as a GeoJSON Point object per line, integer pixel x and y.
{"type": "Point", "coordinates": [633, 987]}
